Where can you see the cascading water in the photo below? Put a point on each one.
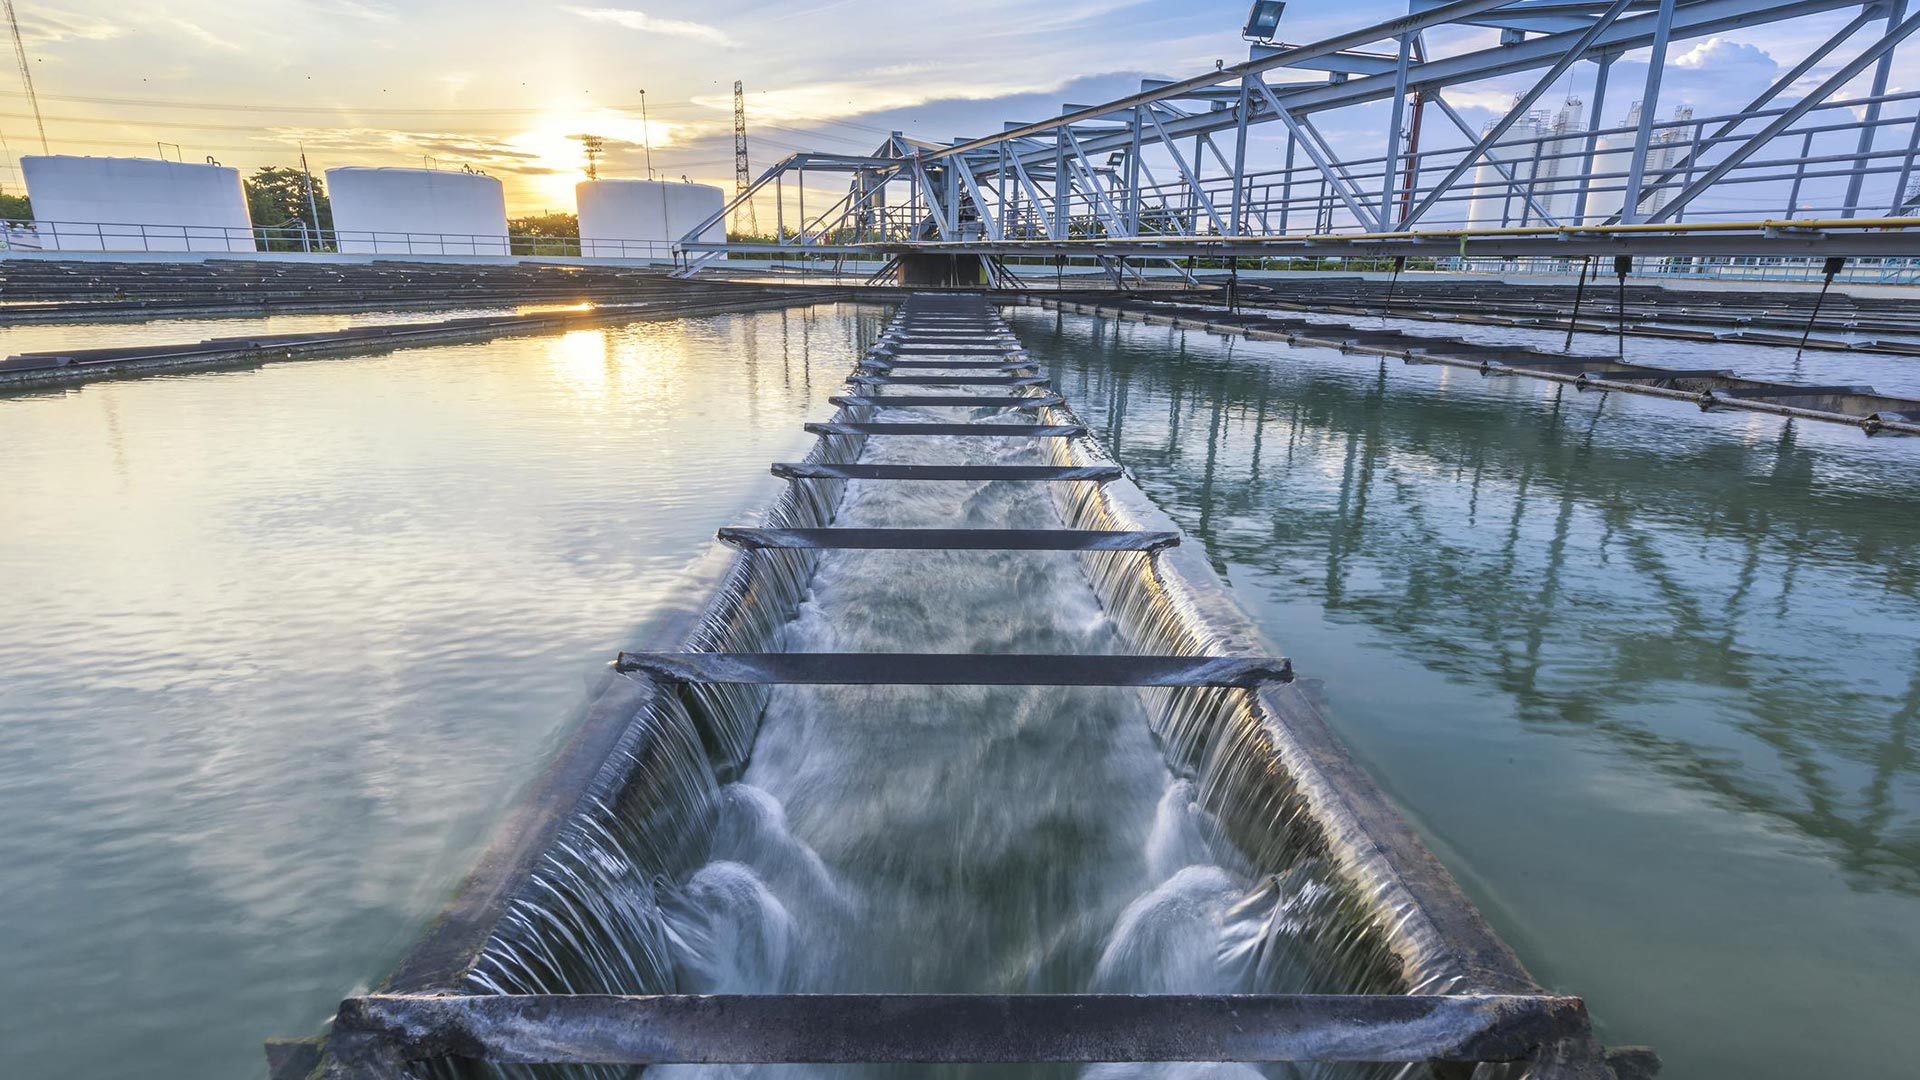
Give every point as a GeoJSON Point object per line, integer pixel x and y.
{"type": "Point", "coordinates": [956, 839]}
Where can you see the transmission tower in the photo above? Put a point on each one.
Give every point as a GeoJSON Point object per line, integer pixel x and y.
{"type": "Point", "coordinates": [26, 75]}
{"type": "Point", "coordinates": [742, 172]}
{"type": "Point", "coordinates": [595, 146]}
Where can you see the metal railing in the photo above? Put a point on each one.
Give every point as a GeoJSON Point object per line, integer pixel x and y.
{"type": "Point", "coordinates": [18, 234]}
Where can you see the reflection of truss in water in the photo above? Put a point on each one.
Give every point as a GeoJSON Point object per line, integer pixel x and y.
{"type": "Point", "coordinates": [1511, 610]}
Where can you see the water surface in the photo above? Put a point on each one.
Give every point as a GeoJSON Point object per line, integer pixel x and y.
{"type": "Point", "coordinates": [42, 337]}
{"type": "Point", "coordinates": [278, 644]}
{"type": "Point", "coordinates": [1647, 679]}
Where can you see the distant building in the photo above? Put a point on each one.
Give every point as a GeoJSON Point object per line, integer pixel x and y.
{"type": "Point", "coordinates": [1546, 153]}
{"type": "Point", "coordinates": [135, 204]}
{"type": "Point", "coordinates": [417, 212]}
{"type": "Point", "coordinates": [1540, 152]}
{"type": "Point", "coordinates": [642, 218]}
{"type": "Point", "coordinates": [1667, 148]}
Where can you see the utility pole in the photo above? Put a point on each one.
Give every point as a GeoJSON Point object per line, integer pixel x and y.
{"type": "Point", "coordinates": [26, 75]}
{"type": "Point", "coordinates": [646, 133]}
{"type": "Point", "coordinates": [742, 172]}
{"type": "Point", "coordinates": [313, 205]}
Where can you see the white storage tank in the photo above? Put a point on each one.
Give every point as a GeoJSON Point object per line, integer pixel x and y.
{"type": "Point", "coordinates": [417, 212]}
{"type": "Point", "coordinates": [617, 215]}
{"type": "Point", "coordinates": [135, 204]}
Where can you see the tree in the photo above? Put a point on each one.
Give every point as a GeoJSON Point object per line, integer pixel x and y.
{"type": "Point", "coordinates": [277, 196]}
{"type": "Point", "coordinates": [15, 206]}
{"type": "Point", "coordinates": [545, 234]}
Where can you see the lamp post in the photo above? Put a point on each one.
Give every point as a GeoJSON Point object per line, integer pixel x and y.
{"type": "Point", "coordinates": [646, 133]}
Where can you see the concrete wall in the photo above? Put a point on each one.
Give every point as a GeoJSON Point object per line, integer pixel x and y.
{"type": "Point", "coordinates": [134, 204]}
{"type": "Point", "coordinates": [612, 211]}
{"type": "Point", "coordinates": [417, 212]}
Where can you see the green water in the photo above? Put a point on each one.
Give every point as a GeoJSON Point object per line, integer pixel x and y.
{"type": "Point", "coordinates": [1647, 679]}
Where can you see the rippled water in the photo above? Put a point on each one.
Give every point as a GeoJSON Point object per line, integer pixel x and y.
{"type": "Point", "coordinates": [278, 644]}
{"type": "Point", "coordinates": [1648, 679]}
{"type": "Point", "coordinates": [1889, 374]}
{"type": "Point", "coordinates": [46, 336]}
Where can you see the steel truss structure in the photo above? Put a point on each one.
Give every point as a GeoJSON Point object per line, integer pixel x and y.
{"type": "Point", "coordinates": [1176, 169]}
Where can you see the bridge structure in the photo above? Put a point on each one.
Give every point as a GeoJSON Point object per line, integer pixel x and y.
{"type": "Point", "coordinates": [1257, 159]}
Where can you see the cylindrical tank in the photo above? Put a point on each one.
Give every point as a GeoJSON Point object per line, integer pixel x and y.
{"type": "Point", "coordinates": [135, 204]}
{"type": "Point", "coordinates": [417, 212]}
{"type": "Point", "coordinates": [618, 216]}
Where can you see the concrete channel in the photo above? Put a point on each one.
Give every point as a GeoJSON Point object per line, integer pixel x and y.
{"type": "Point", "coordinates": [1396, 965]}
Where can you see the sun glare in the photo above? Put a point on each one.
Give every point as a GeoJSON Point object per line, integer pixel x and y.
{"type": "Point", "coordinates": [554, 144]}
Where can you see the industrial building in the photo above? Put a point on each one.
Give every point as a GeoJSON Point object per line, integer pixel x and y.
{"type": "Point", "coordinates": [136, 204]}
{"type": "Point", "coordinates": [417, 212]}
{"type": "Point", "coordinates": [643, 217]}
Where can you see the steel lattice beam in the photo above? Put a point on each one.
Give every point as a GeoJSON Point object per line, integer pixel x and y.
{"type": "Point", "coordinates": [1044, 182]}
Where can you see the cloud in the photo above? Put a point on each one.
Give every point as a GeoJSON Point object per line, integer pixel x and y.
{"type": "Point", "coordinates": [834, 100]}
{"type": "Point", "coordinates": [1492, 99]}
{"type": "Point", "coordinates": [640, 20]}
{"type": "Point", "coordinates": [198, 33]}
{"type": "Point", "coordinates": [1033, 20]}
{"type": "Point", "coordinates": [478, 151]}
{"type": "Point", "coordinates": [49, 27]}
{"type": "Point", "coordinates": [1718, 54]}
{"type": "Point", "coordinates": [368, 10]}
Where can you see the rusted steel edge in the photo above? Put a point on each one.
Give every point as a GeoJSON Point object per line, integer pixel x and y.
{"type": "Point", "coordinates": [1871, 424]}
{"type": "Point", "coordinates": [403, 335]}
{"type": "Point", "coordinates": [956, 1028]}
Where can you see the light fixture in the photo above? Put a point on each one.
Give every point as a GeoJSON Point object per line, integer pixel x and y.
{"type": "Point", "coordinates": [1263, 20]}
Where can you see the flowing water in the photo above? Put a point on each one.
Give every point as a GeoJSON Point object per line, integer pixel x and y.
{"type": "Point", "coordinates": [921, 839]}
{"type": "Point", "coordinates": [286, 637]}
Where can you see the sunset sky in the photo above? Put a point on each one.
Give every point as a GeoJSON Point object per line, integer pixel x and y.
{"type": "Point", "coordinates": [503, 86]}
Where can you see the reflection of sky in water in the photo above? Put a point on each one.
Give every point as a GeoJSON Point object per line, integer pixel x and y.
{"type": "Point", "coordinates": [278, 644]}
{"type": "Point", "coordinates": [1649, 679]}
{"type": "Point", "coordinates": [1887, 373]}
{"type": "Point", "coordinates": [100, 335]}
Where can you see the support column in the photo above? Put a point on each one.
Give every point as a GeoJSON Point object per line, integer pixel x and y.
{"type": "Point", "coordinates": [1649, 104]}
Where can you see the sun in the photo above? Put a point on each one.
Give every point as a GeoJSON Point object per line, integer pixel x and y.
{"type": "Point", "coordinates": [554, 143]}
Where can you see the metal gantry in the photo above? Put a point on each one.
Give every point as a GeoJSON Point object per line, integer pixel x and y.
{"type": "Point", "coordinates": [1239, 161]}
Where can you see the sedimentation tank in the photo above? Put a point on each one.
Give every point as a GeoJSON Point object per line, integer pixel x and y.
{"type": "Point", "coordinates": [1210, 878]}
{"type": "Point", "coordinates": [641, 217]}
{"type": "Point", "coordinates": [418, 212]}
{"type": "Point", "coordinates": [121, 204]}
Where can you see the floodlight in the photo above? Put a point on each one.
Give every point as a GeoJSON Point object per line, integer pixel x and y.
{"type": "Point", "coordinates": [1263, 21]}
